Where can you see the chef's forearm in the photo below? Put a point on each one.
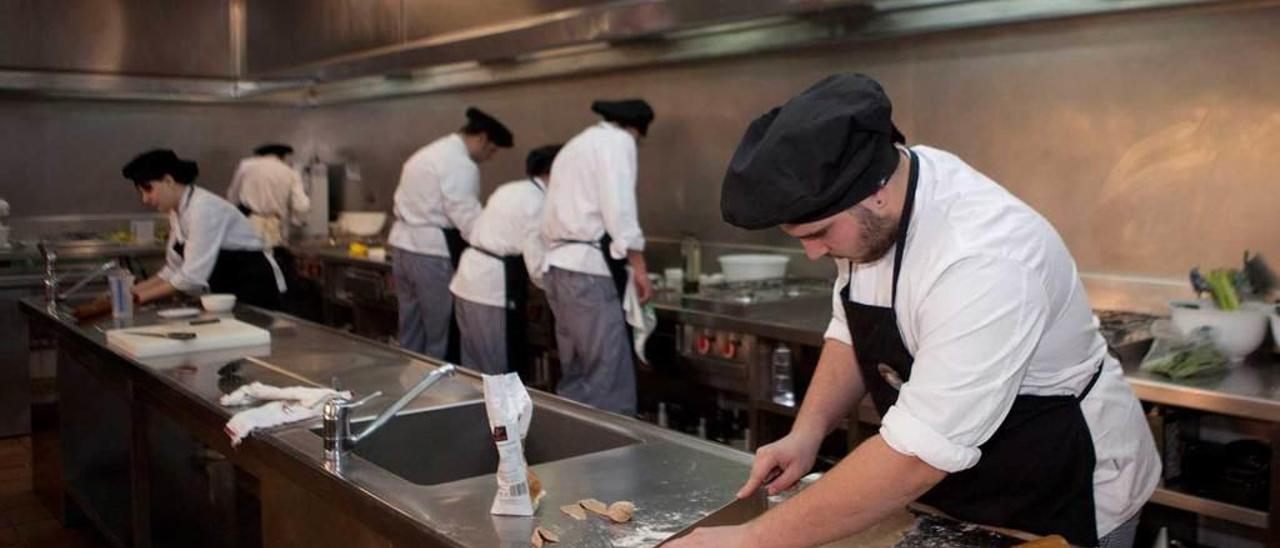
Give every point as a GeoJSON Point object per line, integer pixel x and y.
{"type": "Point", "coordinates": [836, 387]}
{"type": "Point", "coordinates": [868, 485]}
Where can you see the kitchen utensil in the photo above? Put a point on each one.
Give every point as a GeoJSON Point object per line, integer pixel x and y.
{"type": "Point", "coordinates": [1235, 332]}
{"type": "Point", "coordinates": [362, 223]}
{"type": "Point", "coordinates": [174, 313]}
{"type": "Point", "coordinates": [753, 266]}
{"type": "Point", "coordinates": [218, 302]}
{"type": "Point", "coordinates": [228, 333]}
{"type": "Point", "coordinates": [176, 335]}
{"type": "Point", "coordinates": [736, 512]}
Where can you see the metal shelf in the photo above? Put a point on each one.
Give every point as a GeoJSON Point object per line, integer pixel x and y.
{"type": "Point", "coordinates": [1209, 507]}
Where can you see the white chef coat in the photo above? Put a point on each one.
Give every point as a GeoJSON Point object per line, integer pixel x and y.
{"type": "Point", "coordinates": [511, 224]}
{"type": "Point", "coordinates": [206, 224]}
{"type": "Point", "coordinates": [991, 306]}
{"type": "Point", "coordinates": [270, 187]}
{"type": "Point", "coordinates": [439, 188]}
{"type": "Point", "coordinates": [595, 192]}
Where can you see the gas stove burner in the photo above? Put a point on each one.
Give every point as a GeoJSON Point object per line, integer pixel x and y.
{"type": "Point", "coordinates": [739, 297]}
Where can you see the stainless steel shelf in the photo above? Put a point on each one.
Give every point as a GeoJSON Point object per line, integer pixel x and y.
{"type": "Point", "coordinates": [1209, 507]}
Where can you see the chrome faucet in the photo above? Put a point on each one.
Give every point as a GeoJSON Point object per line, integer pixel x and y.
{"type": "Point", "coordinates": [52, 280]}
{"type": "Point", "coordinates": [337, 435]}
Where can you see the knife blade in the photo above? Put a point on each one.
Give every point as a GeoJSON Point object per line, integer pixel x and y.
{"type": "Point", "coordinates": [175, 335]}
{"type": "Point", "coordinates": [736, 512]}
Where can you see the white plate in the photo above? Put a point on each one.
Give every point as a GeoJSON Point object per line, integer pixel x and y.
{"type": "Point", "coordinates": [171, 313]}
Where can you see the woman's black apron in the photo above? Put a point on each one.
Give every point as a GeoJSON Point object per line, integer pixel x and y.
{"type": "Point", "coordinates": [1036, 472]}
{"type": "Point", "coordinates": [246, 274]}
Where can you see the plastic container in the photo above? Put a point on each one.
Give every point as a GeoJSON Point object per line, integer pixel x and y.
{"type": "Point", "coordinates": [1235, 332]}
{"type": "Point", "coordinates": [120, 283]}
{"type": "Point", "coordinates": [753, 267]}
{"type": "Point", "coordinates": [781, 386]}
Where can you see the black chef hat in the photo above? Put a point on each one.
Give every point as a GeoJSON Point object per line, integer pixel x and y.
{"type": "Point", "coordinates": [539, 160]}
{"type": "Point", "coordinates": [155, 164]}
{"type": "Point", "coordinates": [634, 113]}
{"type": "Point", "coordinates": [273, 149]}
{"type": "Point", "coordinates": [817, 155]}
{"type": "Point", "coordinates": [480, 122]}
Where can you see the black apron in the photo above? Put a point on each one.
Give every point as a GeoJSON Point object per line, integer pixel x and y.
{"type": "Point", "coordinates": [516, 287]}
{"type": "Point", "coordinates": [246, 274]}
{"type": "Point", "coordinates": [1036, 472]}
{"type": "Point", "coordinates": [453, 240]}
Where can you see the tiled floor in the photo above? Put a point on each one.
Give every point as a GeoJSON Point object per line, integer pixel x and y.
{"type": "Point", "coordinates": [23, 520]}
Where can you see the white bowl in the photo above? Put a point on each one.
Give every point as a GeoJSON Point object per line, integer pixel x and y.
{"type": "Point", "coordinates": [362, 223]}
{"type": "Point", "coordinates": [753, 266]}
{"type": "Point", "coordinates": [1235, 332]}
{"type": "Point", "coordinates": [218, 302]}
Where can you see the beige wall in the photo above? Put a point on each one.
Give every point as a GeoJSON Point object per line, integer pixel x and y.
{"type": "Point", "coordinates": [1151, 141]}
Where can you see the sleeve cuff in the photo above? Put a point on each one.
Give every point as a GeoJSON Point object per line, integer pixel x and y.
{"type": "Point", "coordinates": [838, 331]}
{"type": "Point", "coordinates": [909, 436]}
{"type": "Point", "coordinates": [180, 282]}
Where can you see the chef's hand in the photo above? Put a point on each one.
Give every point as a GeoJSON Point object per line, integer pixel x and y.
{"type": "Point", "coordinates": [640, 273]}
{"type": "Point", "coordinates": [780, 464]}
{"type": "Point", "coordinates": [738, 536]}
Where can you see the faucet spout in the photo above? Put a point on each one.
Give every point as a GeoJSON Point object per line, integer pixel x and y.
{"type": "Point", "coordinates": [337, 435]}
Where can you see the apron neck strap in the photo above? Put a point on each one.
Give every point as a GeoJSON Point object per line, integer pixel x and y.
{"type": "Point", "coordinates": [908, 206]}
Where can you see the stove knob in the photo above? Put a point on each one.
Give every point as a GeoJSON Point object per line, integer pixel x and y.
{"type": "Point", "coordinates": [703, 344]}
{"type": "Point", "coordinates": [728, 348]}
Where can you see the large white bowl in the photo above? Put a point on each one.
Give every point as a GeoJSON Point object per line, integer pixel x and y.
{"type": "Point", "coordinates": [1235, 332]}
{"type": "Point", "coordinates": [753, 266]}
{"type": "Point", "coordinates": [218, 302]}
{"type": "Point", "coordinates": [362, 223]}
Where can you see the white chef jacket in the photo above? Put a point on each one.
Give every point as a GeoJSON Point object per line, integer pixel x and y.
{"type": "Point", "coordinates": [595, 192]}
{"type": "Point", "coordinates": [991, 306]}
{"type": "Point", "coordinates": [270, 187]}
{"type": "Point", "coordinates": [439, 188]}
{"type": "Point", "coordinates": [205, 224]}
{"type": "Point", "coordinates": [511, 224]}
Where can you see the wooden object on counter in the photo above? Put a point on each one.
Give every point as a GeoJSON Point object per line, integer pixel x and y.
{"type": "Point", "coordinates": [92, 309]}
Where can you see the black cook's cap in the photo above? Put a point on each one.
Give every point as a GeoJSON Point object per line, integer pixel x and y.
{"type": "Point", "coordinates": [498, 134]}
{"type": "Point", "coordinates": [817, 155]}
{"type": "Point", "coordinates": [155, 164]}
{"type": "Point", "coordinates": [273, 149]}
{"type": "Point", "coordinates": [634, 113]}
{"type": "Point", "coordinates": [539, 160]}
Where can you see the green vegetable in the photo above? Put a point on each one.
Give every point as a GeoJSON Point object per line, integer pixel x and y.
{"type": "Point", "coordinates": [1187, 360]}
{"type": "Point", "coordinates": [1222, 286]}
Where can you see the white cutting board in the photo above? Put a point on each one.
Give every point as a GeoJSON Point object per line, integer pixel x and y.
{"type": "Point", "coordinates": [227, 333]}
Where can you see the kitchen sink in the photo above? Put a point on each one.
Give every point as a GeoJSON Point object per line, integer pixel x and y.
{"type": "Point", "coordinates": [442, 445]}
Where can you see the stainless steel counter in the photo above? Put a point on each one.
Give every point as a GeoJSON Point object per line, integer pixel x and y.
{"type": "Point", "coordinates": [673, 479]}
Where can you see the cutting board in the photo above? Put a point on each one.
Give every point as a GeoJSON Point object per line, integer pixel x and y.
{"type": "Point", "coordinates": [228, 333]}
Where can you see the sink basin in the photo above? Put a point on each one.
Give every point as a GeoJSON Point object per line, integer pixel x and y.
{"type": "Point", "coordinates": [449, 444]}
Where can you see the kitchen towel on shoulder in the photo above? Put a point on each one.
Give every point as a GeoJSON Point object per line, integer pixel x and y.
{"type": "Point", "coordinates": [283, 406]}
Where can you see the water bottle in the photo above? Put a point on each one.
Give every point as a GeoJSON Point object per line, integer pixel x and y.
{"type": "Point", "coordinates": [783, 393]}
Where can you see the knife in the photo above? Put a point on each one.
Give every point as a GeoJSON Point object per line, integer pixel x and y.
{"type": "Point", "coordinates": [736, 512]}
{"type": "Point", "coordinates": [175, 335]}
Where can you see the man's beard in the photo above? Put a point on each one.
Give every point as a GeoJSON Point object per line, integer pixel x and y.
{"type": "Point", "coordinates": [879, 234]}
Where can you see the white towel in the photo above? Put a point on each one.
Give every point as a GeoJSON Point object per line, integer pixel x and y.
{"type": "Point", "coordinates": [284, 406]}
{"type": "Point", "coordinates": [642, 318]}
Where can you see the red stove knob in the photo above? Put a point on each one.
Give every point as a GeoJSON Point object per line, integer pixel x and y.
{"type": "Point", "coordinates": [728, 349]}
{"type": "Point", "coordinates": [702, 344]}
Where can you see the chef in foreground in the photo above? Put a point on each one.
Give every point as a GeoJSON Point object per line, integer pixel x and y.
{"type": "Point", "coordinates": [491, 287]}
{"type": "Point", "coordinates": [436, 204]}
{"type": "Point", "coordinates": [211, 245]}
{"type": "Point", "coordinates": [593, 234]}
{"type": "Point", "coordinates": [959, 310]}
